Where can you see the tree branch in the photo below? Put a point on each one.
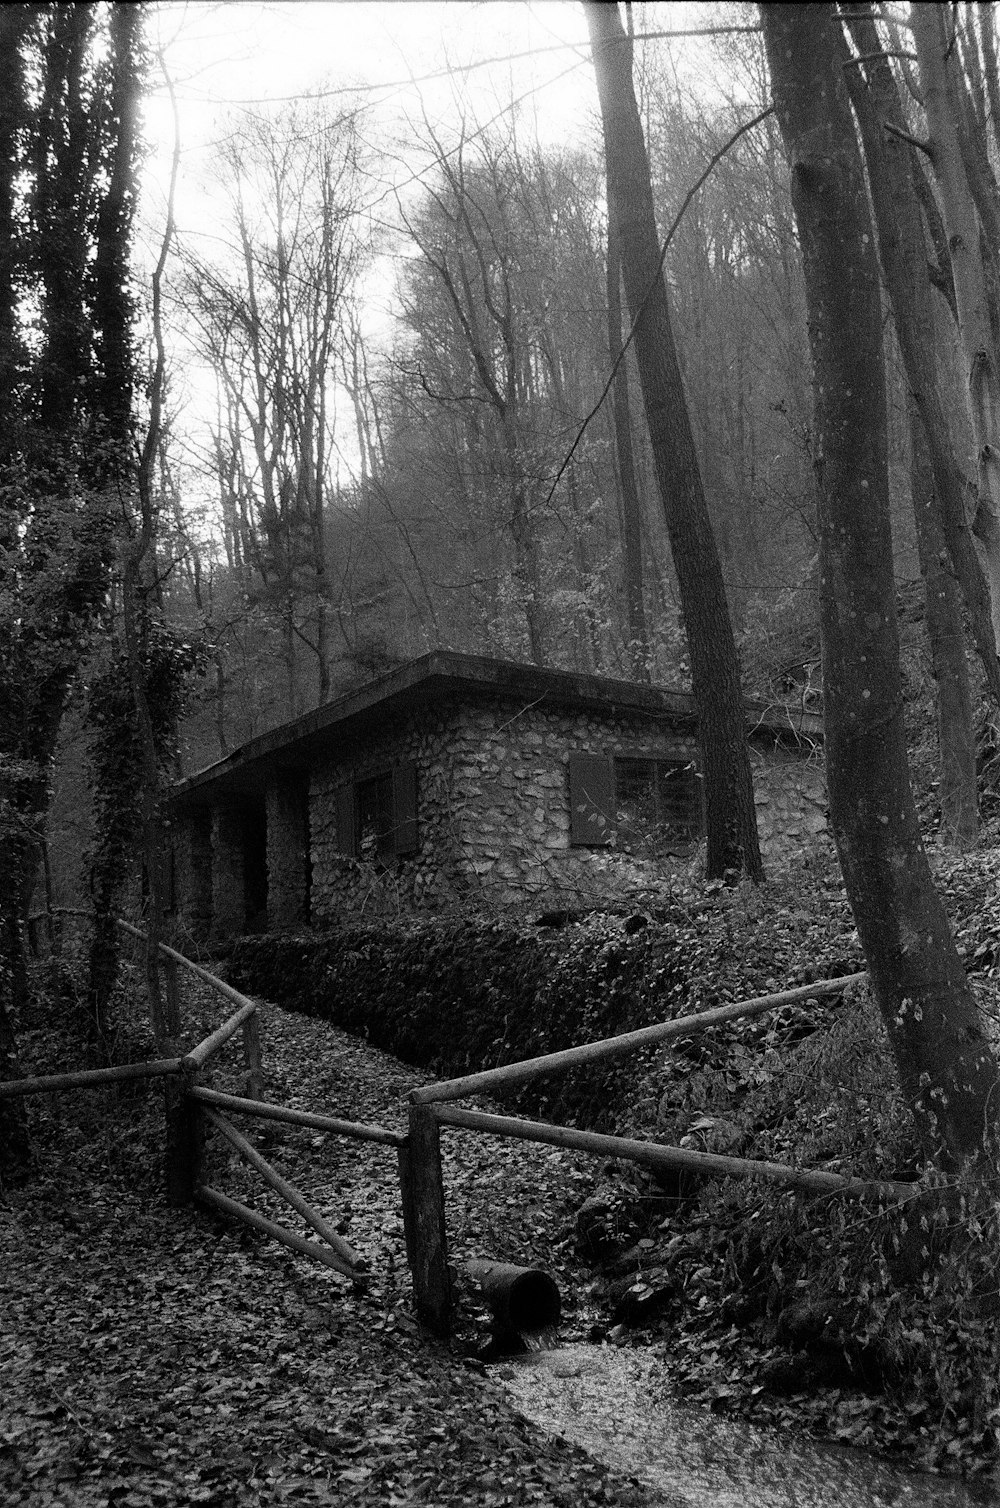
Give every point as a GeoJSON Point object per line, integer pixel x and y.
{"type": "Point", "coordinates": [915, 141]}
{"type": "Point", "coordinates": [715, 159]}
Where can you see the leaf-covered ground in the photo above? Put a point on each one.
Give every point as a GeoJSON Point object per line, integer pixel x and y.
{"type": "Point", "coordinates": [151, 1355]}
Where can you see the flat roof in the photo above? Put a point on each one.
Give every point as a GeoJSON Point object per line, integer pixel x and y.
{"type": "Point", "coordinates": [455, 677]}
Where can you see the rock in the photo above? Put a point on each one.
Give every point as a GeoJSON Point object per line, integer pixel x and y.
{"type": "Point", "coordinates": [602, 1223]}
{"type": "Point", "coordinates": [804, 1324]}
{"type": "Point", "coordinates": [710, 1133]}
{"type": "Point", "coordinates": [638, 1299]}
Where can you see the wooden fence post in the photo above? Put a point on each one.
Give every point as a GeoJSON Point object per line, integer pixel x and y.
{"type": "Point", "coordinates": [251, 1057]}
{"type": "Point", "coordinates": [172, 991]}
{"type": "Point", "coordinates": [422, 1189]}
{"type": "Point", "coordinates": [185, 1138]}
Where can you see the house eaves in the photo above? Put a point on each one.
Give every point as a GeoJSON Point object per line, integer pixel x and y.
{"type": "Point", "coordinates": [446, 676]}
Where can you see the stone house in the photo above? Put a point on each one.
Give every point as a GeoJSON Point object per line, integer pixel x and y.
{"type": "Point", "coordinates": [459, 779]}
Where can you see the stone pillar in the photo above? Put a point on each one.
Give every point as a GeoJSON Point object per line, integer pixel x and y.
{"type": "Point", "coordinates": [228, 872]}
{"type": "Point", "coordinates": [287, 854]}
{"type": "Point", "coordinates": [192, 845]}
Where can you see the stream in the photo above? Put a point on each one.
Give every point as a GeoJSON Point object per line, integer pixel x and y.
{"type": "Point", "coordinates": [616, 1404]}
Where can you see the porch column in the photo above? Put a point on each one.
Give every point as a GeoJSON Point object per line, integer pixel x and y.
{"type": "Point", "coordinates": [228, 872]}
{"type": "Point", "coordinates": [192, 847]}
{"type": "Point", "coordinates": [287, 854]}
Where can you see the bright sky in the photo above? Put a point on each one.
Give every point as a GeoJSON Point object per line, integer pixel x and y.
{"type": "Point", "coordinates": [401, 59]}
{"type": "Point", "coordinates": [232, 59]}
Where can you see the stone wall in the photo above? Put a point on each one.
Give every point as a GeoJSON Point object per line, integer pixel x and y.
{"type": "Point", "coordinates": [791, 800]}
{"type": "Point", "coordinates": [494, 809]}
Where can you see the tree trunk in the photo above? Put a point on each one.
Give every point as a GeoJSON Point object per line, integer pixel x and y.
{"type": "Point", "coordinates": [13, 24]}
{"type": "Point", "coordinates": [940, 103]}
{"type": "Point", "coordinates": [731, 824]}
{"type": "Point", "coordinates": [631, 506]}
{"type": "Point", "coordinates": [729, 798]}
{"type": "Point", "coordinates": [894, 191]}
{"type": "Point", "coordinates": [947, 1071]}
{"type": "Point", "coordinates": [946, 638]}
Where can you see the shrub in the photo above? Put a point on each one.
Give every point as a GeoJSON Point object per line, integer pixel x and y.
{"type": "Point", "coordinates": [458, 994]}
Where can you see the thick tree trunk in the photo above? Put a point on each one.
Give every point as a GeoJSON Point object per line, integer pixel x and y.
{"type": "Point", "coordinates": [936, 55]}
{"type": "Point", "coordinates": [894, 191]}
{"type": "Point", "coordinates": [946, 638]}
{"type": "Point", "coordinates": [631, 506]}
{"type": "Point", "coordinates": [731, 822]}
{"type": "Point", "coordinates": [946, 1068]}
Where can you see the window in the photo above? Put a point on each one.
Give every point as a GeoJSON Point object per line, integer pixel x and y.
{"type": "Point", "coordinates": [641, 803]}
{"type": "Point", "coordinates": [377, 817]}
{"type": "Point", "coordinates": [658, 801]}
{"type": "Point", "coordinates": [375, 833]}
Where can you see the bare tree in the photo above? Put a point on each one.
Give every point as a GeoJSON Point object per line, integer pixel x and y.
{"type": "Point", "coordinates": [269, 321]}
{"type": "Point", "coordinates": [733, 844]}
{"type": "Point", "coordinates": [631, 503]}
{"type": "Point", "coordinates": [471, 246]}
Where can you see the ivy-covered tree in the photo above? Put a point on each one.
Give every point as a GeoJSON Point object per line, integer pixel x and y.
{"type": "Point", "coordinates": [126, 792]}
{"type": "Point", "coordinates": [67, 175]}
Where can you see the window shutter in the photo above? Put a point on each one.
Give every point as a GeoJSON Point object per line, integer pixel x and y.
{"type": "Point", "coordinates": [404, 807]}
{"type": "Point", "coordinates": [346, 826]}
{"type": "Point", "coordinates": [591, 800]}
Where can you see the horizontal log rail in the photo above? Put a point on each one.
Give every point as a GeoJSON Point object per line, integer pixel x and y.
{"type": "Point", "coordinates": [217, 984]}
{"type": "Point", "coordinates": [86, 1078]}
{"type": "Point", "coordinates": [195, 1060]}
{"type": "Point", "coordinates": [205, 1194]}
{"type": "Point", "coordinates": [352, 1264]}
{"type": "Point", "coordinates": [657, 1155]}
{"type": "Point", "coordinates": [263, 1110]}
{"type": "Point", "coordinates": [618, 1047]}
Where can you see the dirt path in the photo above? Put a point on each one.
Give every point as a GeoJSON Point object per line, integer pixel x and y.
{"type": "Point", "coordinates": [154, 1356]}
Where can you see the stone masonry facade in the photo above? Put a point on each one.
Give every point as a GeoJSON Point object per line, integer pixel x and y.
{"type": "Point", "coordinates": [494, 810]}
{"type": "Point", "coordinates": [490, 820]}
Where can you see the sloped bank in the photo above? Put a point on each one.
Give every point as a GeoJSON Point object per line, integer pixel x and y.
{"type": "Point", "coordinates": [457, 994]}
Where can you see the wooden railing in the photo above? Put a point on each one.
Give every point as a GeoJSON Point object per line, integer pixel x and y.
{"type": "Point", "coordinates": [430, 1109]}
{"type": "Point", "coordinates": [193, 1109]}
{"type": "Point", "coordinates": [87, 1078]}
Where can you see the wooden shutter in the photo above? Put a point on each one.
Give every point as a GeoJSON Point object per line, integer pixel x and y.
{"type": "Point", "coordinates": [347, 838]}
{"type": "Point", "coordinates": [591, 800]}
{"type": "Point", "coordinates": [404, 807]}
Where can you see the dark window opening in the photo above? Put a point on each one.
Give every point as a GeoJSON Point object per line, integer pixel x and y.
{"type": "Point", "coordinates": [377, 817]}
{"type": "Point", "coordinates": [376, 825]}
{"type": "Point", "coordinates": [646, 805]}
{"type": "Point", "coordinates": [658, 804]}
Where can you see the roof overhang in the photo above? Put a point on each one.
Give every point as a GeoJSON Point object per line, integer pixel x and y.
{"type": "Point", "coordinates": [445, 676]}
